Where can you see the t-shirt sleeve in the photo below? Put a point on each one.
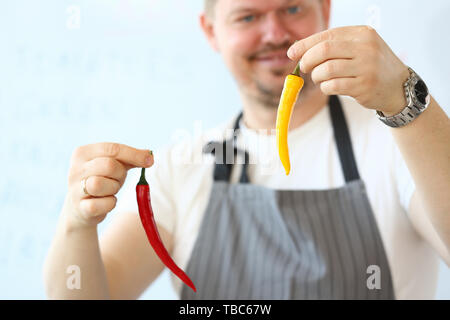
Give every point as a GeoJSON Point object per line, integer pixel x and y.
{"type": "Point", "coordinates": [405, 183]}
{"type": "Point", "coordinates": [159, 180]}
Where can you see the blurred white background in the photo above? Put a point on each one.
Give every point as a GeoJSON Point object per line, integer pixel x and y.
{"type": "Point", "coordinates": [135, 71]}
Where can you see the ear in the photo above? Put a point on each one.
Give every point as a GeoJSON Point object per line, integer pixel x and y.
{"type": "Point", "coordinates": [208, 29]}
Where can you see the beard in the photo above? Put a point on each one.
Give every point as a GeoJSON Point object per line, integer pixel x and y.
{"type": "Point", "coordinates": [269, 97]}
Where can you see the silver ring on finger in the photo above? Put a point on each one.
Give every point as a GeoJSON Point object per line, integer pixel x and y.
{"type": "Point", "coordinates": [83, 185]}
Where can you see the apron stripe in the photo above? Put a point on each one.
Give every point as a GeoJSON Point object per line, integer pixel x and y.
{"type": "Point", "coordinates": [269, 262]}
{"type": "Point", "coordinates": [336, 238]}
{"type": "Point", "coordinates": [371, 253]}
{"type": "Point", "coordinates": [326, 288]}
{"type": "Point", "coordinates": [226, 230]}
{"type": "Point", "coordinates": [300, 238]}
{"type": "Point", "coordinates": [359, 247]}
{"type": "Point", "coordinates": [256, 275]}
{"type": "Point", "coordinates": [252, 268]}
{"type": "Point", "coordinates": [343, 237]}
{"type": "Point", "coordinates": [309, 256]}
{"type": "Point", "coordinates": [315, 266]}
{"type": "Point", "coordinates": [245, 242]}
{"type": "Point", "coordinates": [238, 253]}
{"type": "Point", "coordinates": [265, 267]}
{"type": "Point", "coordinates": [205, 255]}
{"type": "Point", "coordinates": [316, 263]}
{"type": "Point", "coordinates": [363, 241]}
{"type": "Point", "coordinates": [356, 245]}
{"type": "Point", "coordinates": [272, 271]}
{"type": "Point", "coordinates": [285, 247]}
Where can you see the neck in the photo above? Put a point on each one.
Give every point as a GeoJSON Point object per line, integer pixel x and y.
{"type": "Point", "coordinates": [260, 117]}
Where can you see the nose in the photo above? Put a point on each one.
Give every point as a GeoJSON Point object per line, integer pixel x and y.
{"type": "Point", "coordinates": [274, 30]}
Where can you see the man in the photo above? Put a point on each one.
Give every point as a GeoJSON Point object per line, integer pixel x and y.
{"type": "Point", "coordinates": [364, 213]}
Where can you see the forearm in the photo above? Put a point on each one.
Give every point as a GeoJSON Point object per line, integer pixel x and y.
{"type": "Point", "coordinates": [425, 146]}
{"type": "Point", "coordinates": [78, 248]}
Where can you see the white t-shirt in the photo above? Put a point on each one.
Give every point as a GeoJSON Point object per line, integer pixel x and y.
{"type": "Point", "coordinates": [181, 180]}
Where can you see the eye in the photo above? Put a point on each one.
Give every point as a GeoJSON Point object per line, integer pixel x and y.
{"type": "Point", "coordinates": [293, 10]}
{"type": "Point", "coordinates": [248, 18]}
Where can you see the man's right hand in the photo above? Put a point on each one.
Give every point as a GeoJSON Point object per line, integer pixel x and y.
{"type": "Point", "coordinates": [104, 167]}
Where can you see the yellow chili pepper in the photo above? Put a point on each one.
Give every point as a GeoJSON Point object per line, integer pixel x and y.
{"type": "Point", "coordinates": [292, 87]}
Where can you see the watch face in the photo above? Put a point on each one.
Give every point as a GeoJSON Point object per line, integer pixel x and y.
{"type": "Point", "coordinates": [421, 91]}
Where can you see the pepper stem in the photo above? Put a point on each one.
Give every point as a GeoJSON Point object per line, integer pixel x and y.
{"type": "Point", "coordinates": [297, 70]}
{"type": "Point", "coordinates": [142, 180]}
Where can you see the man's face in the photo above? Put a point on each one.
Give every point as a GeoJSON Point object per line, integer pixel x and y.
{"type": "Point", "coordinates": [253, 37]}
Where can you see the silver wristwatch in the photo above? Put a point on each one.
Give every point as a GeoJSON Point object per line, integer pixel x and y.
{"type": "Point", "coordinates": [417, 97]}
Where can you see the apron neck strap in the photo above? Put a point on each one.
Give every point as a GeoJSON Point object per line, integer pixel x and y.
{"type": "Point", "coordinates": [343, 141]}
{"type": "Point", "coordinates": [226, 151]}
{"type": "Point", "coordinates": [226, 154]}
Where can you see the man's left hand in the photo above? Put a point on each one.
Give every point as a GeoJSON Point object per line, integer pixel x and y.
{"type": "Point", "coordinates": [354, 61]}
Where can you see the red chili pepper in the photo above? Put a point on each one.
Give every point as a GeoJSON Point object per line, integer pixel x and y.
{"type": "Point", "coordinates": [148, 222]}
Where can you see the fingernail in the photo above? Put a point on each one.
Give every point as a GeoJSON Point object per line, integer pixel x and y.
{"type": "Point", "coordinates": [291, 50]}
{"type": "Point", "coordinates": [291, 53]}
{"type": "Point", "coordinates": [149, 159]}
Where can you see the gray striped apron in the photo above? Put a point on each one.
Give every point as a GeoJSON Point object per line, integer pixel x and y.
{"type": "Point", "coordinates": [259, 243]}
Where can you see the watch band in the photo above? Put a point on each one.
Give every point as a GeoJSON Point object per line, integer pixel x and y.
{"type": "Point", "coordinates": [408, 115]}
{"type": "Point", "coordinates": [413, 109]}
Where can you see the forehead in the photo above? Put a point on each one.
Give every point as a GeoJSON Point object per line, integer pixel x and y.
{"type": "Point", "coordinates": [231, 5]}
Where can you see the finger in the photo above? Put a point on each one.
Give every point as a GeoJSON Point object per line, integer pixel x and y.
{"type": "Point", "coordinates": [326, 50]}
{"type": "Point", "coordinates": [97, 186]}
{"type": "Point", "coordinates": [336, 68]}
{"type": "Point", "coordinates": [339, 86]}
{"type": "Point", "coordinates": [131, 156]}
{"type": "Point", "coordinates": [298, 49]}
{"type": "Point", "coordinates": [95, 207]}
{"type": "Point", "coordinates": [105, 167]}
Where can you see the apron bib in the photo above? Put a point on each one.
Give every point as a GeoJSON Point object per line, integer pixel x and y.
{"type": "Point", "coordinates": [260, 243]}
